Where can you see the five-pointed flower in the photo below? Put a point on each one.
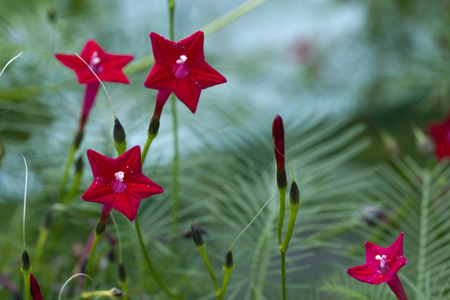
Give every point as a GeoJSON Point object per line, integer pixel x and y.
{"type": "Point", "coordinates": [119, 182]}
{"type": "Point", "coordinates": [180, 68]}
{"type": "Point", "coordinates": [107, 66]}
{"type": "Point", "coordinates": [441, 136]}
{"type": "Point", "coordinates": [382, 265]}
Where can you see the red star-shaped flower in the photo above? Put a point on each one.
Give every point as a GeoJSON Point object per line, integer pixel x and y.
{"type": "Point", "coordinates": [441, 136]}
{"type": "Point", "coordinates": [119, 182]}
{"type": "Point", "coordinates": [382, 265]}
{"type": "Point", "coordinates": [107, 66]}
{"type": "Point", "coordinates": [180, 68]}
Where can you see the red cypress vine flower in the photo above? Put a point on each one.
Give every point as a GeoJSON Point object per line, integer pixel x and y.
{"type": "Point", "coordinates": [441, 136]}
{"type": "Point", "coordinates": [35, 289]}
{"type": "Point", "coordinates": [119, 182]}
{"type": "Point", "coordinates": [382, 265]}
{"type": "Point", "coordinates": [180, 67]}
{"type": "Point", "coordinates": [107, 66]}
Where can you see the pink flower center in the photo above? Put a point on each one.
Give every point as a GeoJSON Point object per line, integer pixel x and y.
{"type": "Point", "coordinates": [384, 266]}
{"type": "Point", "coordinates": [94, 63]}
{"type": "Point", "coordinates": [117, 183]}
{"type": "Point", "coordinates": [179, 69]}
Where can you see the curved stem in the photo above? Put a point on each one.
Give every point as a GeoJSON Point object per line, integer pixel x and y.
{"type": "Point", "coordinates": [149, 263]}
{"type": "Point", "coordinates": [150, 139]}
{"type": "Point", "coordinates": [202, 251]}
{"type": "Point", "coordinates": [175, 183]}
{"type": "Point", "coordinates": [92, 253]}
{"type": "Point", "coordinates": [226, 279]}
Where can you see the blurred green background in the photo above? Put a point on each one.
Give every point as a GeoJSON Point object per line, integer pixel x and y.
{"type": "Point", "coordinates": [342, 74]}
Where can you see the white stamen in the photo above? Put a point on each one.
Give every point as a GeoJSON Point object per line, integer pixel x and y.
{"type": "Point", "coordinates": [119, 175]}
{"type": "Point", "coordinates": [183, 59]}
{"type": "Point", "coordinates": [382, 260]}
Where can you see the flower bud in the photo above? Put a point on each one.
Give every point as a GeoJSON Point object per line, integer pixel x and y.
{"type": "Point", "coordinates": [26, 264]}
{"type": "Point", "coordinates": [278, 145]}
{"type": "Point", "coordinates": [119, 137]}
{"type": "Point", "coordinates": [196, 235]}
{"type": "Point", "coordinates": [294, 196]}
{"type": "Point", "coordinates": [229, 264]}
{"type": "Point", "coordinates": [100, 228]}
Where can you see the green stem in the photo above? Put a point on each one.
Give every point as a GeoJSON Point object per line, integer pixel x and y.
{"type": "Point", "coordinates": [69, 163]}
{"type": "Point", "coordinates": [226, 279]}
{"type": "Point", "coordinates": [112, 293]}
{"type": "Point", "coordinates": [175, 173]}
{"type": "Point", "coordinates": [293, 210]}
{"type": "Point", "coordinates": [202, 251]}
{"type": "Point", "coordinates": [149, 263]}
{"type": "Point", "coordinates": [92, 253]}
{"type": "Point", "coordinates": [26, 278]}
{"type": "Point", "coordinates": [171, 19]}
{"type": "Point", "coordinates": [283, 275]}
{"type": "Point", "coordinates": [73, 189]}
{"type": "Point", "coordinates": [281, 216]}
{"type": "Point", "coordinates": [150, 138]}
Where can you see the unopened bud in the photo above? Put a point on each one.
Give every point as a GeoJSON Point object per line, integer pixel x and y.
{"type": "Point", "coordinates": [278, 147]}
{"type": "Point", "coordinates": [26, 264]}
{"type": "Point", "coordinates": [116, 292]}
{"type": "Point", "coordinates": [122, 273]}
{"type": "Point", "coordinates": [153, 127]}
{"type": "Point", "coordinates": [196, 235]}
{"type": "Point", "coordinates": [79, 165]}
{"type": "Point", "coordinates": [229, 264]}
{"type": "Point", "coordinates": [119, 132]}
{"type": "Point", "coordinates": [294, 196]}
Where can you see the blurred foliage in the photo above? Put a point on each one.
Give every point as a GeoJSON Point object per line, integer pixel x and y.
{"type": "Point", "coordinates": [342, 96]}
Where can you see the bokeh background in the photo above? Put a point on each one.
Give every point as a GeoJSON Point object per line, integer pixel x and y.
{"type": "Point", "coordinates": [351, 79]}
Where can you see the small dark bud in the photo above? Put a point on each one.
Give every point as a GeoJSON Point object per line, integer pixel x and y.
{"type": "Point", "coordinates": [281, 180]}
{"type": "Point", "coordinates": [229, 260]}
{"type": "Point", "coordinates": [294, 196]}
{"type": "Point", "coordinates": [196, 235]}
{"type": "Point", "coordinates": [111, 254]}
{"type": "Point", "coordinates": [116, 292]}
{"type": "Point", "coordinates": [119, 132]}
{"type": "Point", "coordinates": [78, 139]}
{"type": "Point", "coordinates": [26, 264]}
{"type": "Point", "coordinates": [122, 273]}
{"type": "Point", "coordinates": [79, 165]}
{"type": "Point", "coordinates": [153, 127]}
{"type": "Point", "coordinates": [100, 228]}
{"type": "Point", "coordinates": [48, 219]}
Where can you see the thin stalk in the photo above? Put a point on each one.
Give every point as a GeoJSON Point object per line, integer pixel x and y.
{"type": "Point", "coordinates": [226, 279]}
{"type": "Point", "coordinates": [150, 139]}
{"type": "Point", "coordinates": [73, 189]}
{"type": "Point", "coordinates": [26, 278]}
{"type": "Point", "coordinates": [283, 275]}
{"type": "Point", "coordinates": [92, 253]}
{"type": "Point", "coordinates": [281, 216]}
{"type": "Point", "coordinates": [149, 263]}
{"type": "Point", "coordinates": [175, 173]}
{"type": "Point", "coordinates": [69, 163]}
{"type": "Point", "coordinates": [202, 251]}
{"type": "Point", "coordinates": [43, 235]}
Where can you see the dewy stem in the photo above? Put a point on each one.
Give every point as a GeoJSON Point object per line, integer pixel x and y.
{"type": "Point", "coordinates": [281, 216]}
{"type": "Point", "coordinates": [149, 263]}
{"type": "Point", "coordinates": [202, 251]}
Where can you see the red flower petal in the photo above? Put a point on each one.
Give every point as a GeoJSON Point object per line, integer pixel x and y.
{"type": "Point", "coordinates": [102, 166]}
{"type": "Point", "coordinates": [193, 46]}
{"type": "Point", "coordinates": [204, 76]}
{"type": "Point", "coordinates": [366, 273]}
{"type": "Point", "coordinates": [161, 78]}
{"type": "Point", "coordinates": [165, 51]}
{"type": "Point", "coordinates": [99, 192]}
{"type": "Point", "coordinates": [441, 135]}
{"type": "Point", "coordinates": [129, 163]}
{"type": "Point", "coordinates": [188, 93]}
{"type": "Point", "coordinates": [35, 289]}
{"type": "Point", "coordinates": [143, 187]}
{"type": "Point", "coordinates": [127, 204]}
